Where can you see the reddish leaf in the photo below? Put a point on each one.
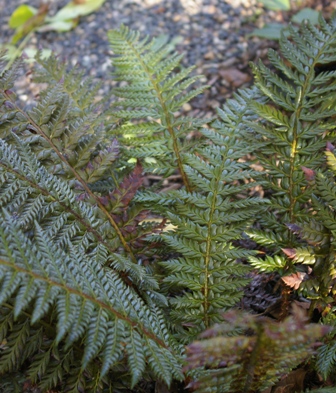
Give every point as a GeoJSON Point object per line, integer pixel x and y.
{"type": "Point", "coordinates": [121, 197]}
{"type": "Point", "coordinates": [290, 252]}
{"type": "Point", "coordinates": [128, 188]}
{"type": "Point", "coordinates": [309, 173]}
{"type": "Point", "coordinates": [235, 77]}
{"type": "Point", "coordinates": [330, 147]}
{"type": "Point", "coordinates": [294, 280]}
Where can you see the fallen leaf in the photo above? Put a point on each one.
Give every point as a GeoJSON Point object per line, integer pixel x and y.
{"type": "Point", "coordinates": [290, 252]}
{"type": "Point", "coordinates": [292, 382]}
{"type": "Point", "coordinates": [294, 280]}
{"type": "Point", "coordinates": [271, 31]}
{"type": "Point", "coordinates": [235, 77]}
{"type": "Point", "coordinates": [306, 14]}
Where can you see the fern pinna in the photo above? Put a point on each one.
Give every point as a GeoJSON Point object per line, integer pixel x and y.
{"type": "Point", "coordinates": [317, 237]}
{"type": "Point", "coordinates": [292, 132]}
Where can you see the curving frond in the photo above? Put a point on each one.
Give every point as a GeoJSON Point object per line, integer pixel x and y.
{"type": "Point", "coordinates": [150, 98]}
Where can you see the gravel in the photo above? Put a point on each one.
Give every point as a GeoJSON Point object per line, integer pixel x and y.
{"type": "Point", "coordinates": [213, 33]}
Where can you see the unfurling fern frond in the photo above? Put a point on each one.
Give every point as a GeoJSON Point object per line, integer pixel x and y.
{"type": "Point", "coordinates": [152, 95]}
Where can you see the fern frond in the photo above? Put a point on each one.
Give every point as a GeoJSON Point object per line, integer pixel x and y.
{"type": "Point", "coordinates": [207, 276]}
{"type": "Point", "coordinates": [238, 363]}
{"type": "Point", "coordinates": [153, 94]}
{"type": "Point", "coordinates": [292, 131]}
{"type": "Point", "coordinates": [88, 297]}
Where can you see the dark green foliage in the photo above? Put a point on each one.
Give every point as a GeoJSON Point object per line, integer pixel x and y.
{"type": "Point", "coordinates": [65, 257]}
{"type": "Point", "coordinates": [207, 221]}
{"type": "Point", "coordinates": [292, 134]}
{"type": "Point", "coordinates": [102, 282]}
{"type": "Point", "coordinates": [151, 97]}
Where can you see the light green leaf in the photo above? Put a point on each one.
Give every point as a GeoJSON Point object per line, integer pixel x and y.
{"type": "Point", "coordinates": [306, 13]}
{"type": "Point", "coordinates": [20, 16]}
{"type": "Point", "coordinates": [276, 5]}
{"type": "Point", "coordinates": [271, 31]}
{"type": "Point", "coordinates": [58, 25]}
{"type": "Point", "coordinates": [11, 51]}
{"type": "Point", "coordinates": [73, 10]}
{"type": "Point", "coordinates": [31, 53]}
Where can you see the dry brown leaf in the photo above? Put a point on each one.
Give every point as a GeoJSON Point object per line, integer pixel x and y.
{"type": "Point", "coordinates": [292, 382]}
{"type": "Point", "coordinates": [294, 280]}
{"type": "Point", "coordinates": [290, 252]}
{"type": "Point", "coordinates": [235, 77]}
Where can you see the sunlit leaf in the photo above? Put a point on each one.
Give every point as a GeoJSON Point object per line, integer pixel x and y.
{"type": "Point", "coordinates": [276, 5]}
{"type": "Point", "coordinates": [20, 16]}
{"type": "Point", "coordinates": [308, 14]}
{"type": "Point", "coordinates": [73, 10]}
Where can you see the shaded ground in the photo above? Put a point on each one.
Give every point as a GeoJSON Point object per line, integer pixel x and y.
{"type": "Point", "coordinates": [214, 36]}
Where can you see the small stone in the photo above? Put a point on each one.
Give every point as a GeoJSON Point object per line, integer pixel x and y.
{"type": "Point", "coordinates": [209, 55]}
{"type": "Point", "coordinates": [186, 107]}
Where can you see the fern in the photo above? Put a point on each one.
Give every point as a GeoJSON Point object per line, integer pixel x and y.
{"type": "Point", "coordinates": [89, 300]}
{"type": "Point", "coordinates": [68, 255]}
{"type": "Point", "coordinates": [291, 135]}
{"type": "Point", "coordinates": [207, 278]}
{"type": "Point", "coordinates": [102, 283]}
{"type": "Point", "coordinates": [150, 98]}
{"type": "Point", "coordinates": [240, 363]}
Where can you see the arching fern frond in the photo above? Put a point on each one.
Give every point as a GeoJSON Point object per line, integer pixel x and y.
{"type": "Point", "coordinates": [89, 298]}
{"type": "Point", "coordinates": [151, 97]}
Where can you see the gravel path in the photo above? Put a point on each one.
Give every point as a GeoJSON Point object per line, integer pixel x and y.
{"type": "Point", "coordinates": [213, 36]}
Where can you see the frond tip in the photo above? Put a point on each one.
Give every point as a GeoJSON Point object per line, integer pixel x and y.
{"type": "Point", "coordinates": [150, 98]}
